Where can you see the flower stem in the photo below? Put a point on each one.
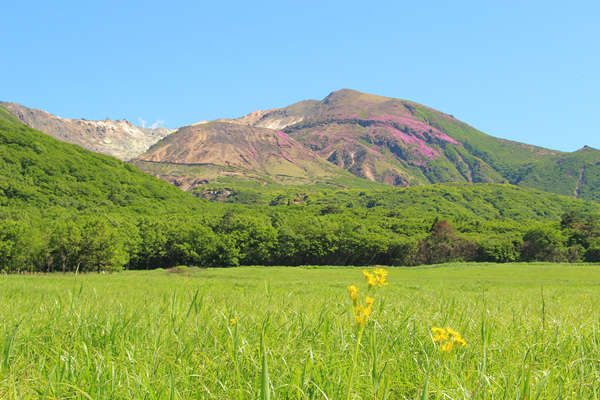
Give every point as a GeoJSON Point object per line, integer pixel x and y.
{"type": "Point", "coordinates": [355, 359]}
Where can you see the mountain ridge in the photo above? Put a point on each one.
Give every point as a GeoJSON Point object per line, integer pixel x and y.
{"type": "Point", "coordinates": [354, 138]}
{"type": "Point", "coordinates": [120, 138]}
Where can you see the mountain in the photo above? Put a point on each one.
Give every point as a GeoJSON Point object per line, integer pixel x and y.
{"type": "Point", "coordinates": [349, 140]}
{"type": "Point", "coordinates": [39, 171]}
{"type": "Point", "coordinates": [403, 143]}
{"type": "Point", "coordinates": [196, 154]}
{"type": "Point", "coordinates": [574, 174]}
{"type": "Point", "coordinates": [379, 139]}
{"type": "Point", "coordinates": [120, 139]}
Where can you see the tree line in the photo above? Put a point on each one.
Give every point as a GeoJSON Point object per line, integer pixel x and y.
{"type": "Point", "coordinates": [246, 236]}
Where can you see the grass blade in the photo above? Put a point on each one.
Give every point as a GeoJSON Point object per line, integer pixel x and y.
{"type": "Point", "coordinates": [265, 388]}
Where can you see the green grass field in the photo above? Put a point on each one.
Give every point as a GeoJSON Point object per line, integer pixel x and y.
{"type": "Point", "coordinates": [532, 331]}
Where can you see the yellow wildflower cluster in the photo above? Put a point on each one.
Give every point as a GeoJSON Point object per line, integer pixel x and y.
{"type": "Point", "coordinates": [378, 277]}
{"type": "Point", "coordinates": [364, 310]}
{"type": "Point", "coordinates": [233, 321]}
{"type": "Point", "coordinates": [448, 339]}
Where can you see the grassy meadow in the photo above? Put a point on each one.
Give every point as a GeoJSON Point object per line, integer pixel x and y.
{"type": "Point", "coordinates": [532, 331]}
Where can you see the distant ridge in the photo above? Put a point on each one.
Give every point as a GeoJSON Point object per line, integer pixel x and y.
{"type": "Point", "coordinates": [120, 139]}
{"type": "Point", "coordinates": [38, 171]}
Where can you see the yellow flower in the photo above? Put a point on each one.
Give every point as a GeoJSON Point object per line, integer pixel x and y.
{"type": "Point", "coordinates": [372, 280]}
{"type": "Point", "coordinates": [447, 338]}
{"type": "Point", "coordinates": [367, 311]}
{"type": "Point", "coordinates": [359, 310]}
{"type": "Point", "coordinates": [448, 346]}
{"type": "Point", "coordinates": [369, 277]}
{"type": "Point", "coordinates": [359, 319]}
{"type": "Point", "coordinates": [233, 321]}
{"type": "Point", "coordinates": [380, 272]}
{"type": "Point", "coordinates": [369, 300]}
{"type": "Point", "coordinates": [452, 332]}
{"type": "Point", "coordinates": [382, 281]}
{"type": "Point", "coordinates": [440, 335]}
{"type": "Point", "coordinates": [353, 292]}
{"type": "Point", "coordinates": [439, 331]}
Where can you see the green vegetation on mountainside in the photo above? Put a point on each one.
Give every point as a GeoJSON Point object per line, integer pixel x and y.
{"type": "Point", "coordinates": [574, 174]}
{"type": "Point", "coordinates": [64, 208]}
{"type": "Point", "coordinates": [6, 116]}
{"type": "Point", "coordinates": [485, 201]}
{"type": "Point", "coordinates": [502, 155]}
{"type": "Point", "coordinates": [39, 171]}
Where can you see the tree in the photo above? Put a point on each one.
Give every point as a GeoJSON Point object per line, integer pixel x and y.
{"type": "Point", "coordinates": [153, 240]}
{"type": "Point", "coordinates": [11, 245]}
{"type": "Point", "coordinates": [544, 244]}
{"type": "Point", "coordinates": [570, 220]}
{"type": "Point", "coordinates": [501, 249]}
{"type": "Point", "coordinates": [442, 245]}
{"type": "Point", "coordinates": [101, 247]}
{"type": "Point", "coordinates": [65, 243]}
{"type": "Point", "coordinates": [590, 227]}
{"type": "Point", "coordinates": [191, 244]}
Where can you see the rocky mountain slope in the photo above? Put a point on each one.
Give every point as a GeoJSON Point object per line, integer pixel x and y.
{"type": "Point", "coordinates": [120, 139]}
{"type": "Point", "coordinates": [380, 138]}
{"type": "Point", "coordinates": [199, 153]}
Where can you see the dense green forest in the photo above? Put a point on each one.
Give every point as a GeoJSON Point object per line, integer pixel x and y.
{"type": "Point", "coordinates": [63, 208]}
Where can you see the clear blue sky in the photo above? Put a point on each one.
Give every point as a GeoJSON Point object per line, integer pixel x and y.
{"type": "Point", "coordinates": [522, 70]}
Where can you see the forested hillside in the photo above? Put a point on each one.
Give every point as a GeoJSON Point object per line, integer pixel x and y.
{"type": "Point", "coordinates": [63, 208]}
{"type": "Point", "coordinates": [36, 170]}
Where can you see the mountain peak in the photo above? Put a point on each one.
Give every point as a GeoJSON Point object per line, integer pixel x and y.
{"type": "Point", "coordinates": [344, 96]}
{"type": "Point", "coordinates": [586, 148]}
{"type": "Point", "coordinates": [344, 93]}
